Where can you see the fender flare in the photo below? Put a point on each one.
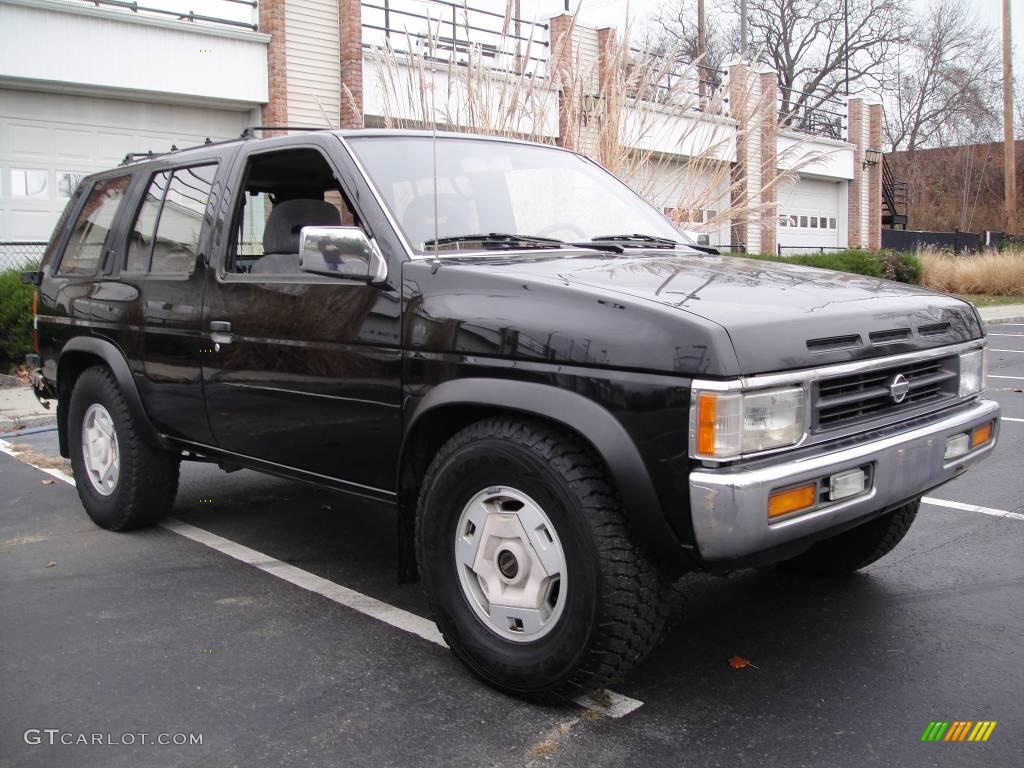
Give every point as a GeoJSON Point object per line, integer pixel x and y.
{"type": "Point", "coordinates": [587, 418]}
{"type": "Point", "coordinates": [118, 365]}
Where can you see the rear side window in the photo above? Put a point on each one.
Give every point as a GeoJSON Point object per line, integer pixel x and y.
{"type": "Point", "coordinates": [165, 235]}
{"type": "Point", "coordinates": [85, 247]}
{"type": "Point", "coordinates": [140, 245]}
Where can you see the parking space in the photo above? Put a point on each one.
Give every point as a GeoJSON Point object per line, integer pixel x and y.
{"type": "Point", "coordinates": [153, 632]}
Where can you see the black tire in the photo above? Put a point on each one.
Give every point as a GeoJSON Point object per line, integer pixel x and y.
{"type": "Point", "coordinates": [148, 478]}
{"type": "Point", "coordinates": [614, 611]}
{"type": "Point", "coordinates": [856, 548]}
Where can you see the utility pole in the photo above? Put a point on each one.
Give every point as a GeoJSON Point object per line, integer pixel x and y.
{"type": "Point", "coordinates": [743, 29]}
{"type": "Point", "coordinates": [1009, 150]}
{"type": "Point", "coordinates": [701, 40]}
{"type": "Point", "coordinates": [846, 42]}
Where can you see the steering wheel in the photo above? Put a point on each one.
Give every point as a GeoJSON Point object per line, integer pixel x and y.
{"type": "Point", "coordinates": [563, 226]}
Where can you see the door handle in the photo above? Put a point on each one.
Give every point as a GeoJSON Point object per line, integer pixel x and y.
{"type": "Point", "coordinates": [220, 332]}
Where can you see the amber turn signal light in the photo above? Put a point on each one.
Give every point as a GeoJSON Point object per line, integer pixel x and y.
{"type": "Point", "coordinates": [707, 406]}
{"type": "Point", "coordinates": [792, 500]}
{"type": "Point", "coordinates": [981, 435]}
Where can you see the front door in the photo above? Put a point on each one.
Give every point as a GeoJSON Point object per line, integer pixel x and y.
{"type": "Point", "coordinates": [304, 371]}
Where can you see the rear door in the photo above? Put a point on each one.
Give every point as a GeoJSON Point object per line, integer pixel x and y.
{"type": "Point", "coordinates": [305, 370]}
{"type": "Point", "coordinates": [168, 239]}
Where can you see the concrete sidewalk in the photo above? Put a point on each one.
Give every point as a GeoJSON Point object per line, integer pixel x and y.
{"type": "Point", "coordinates": [20, 410]}
{"type": "Point", "coordinates": [1006, 313]}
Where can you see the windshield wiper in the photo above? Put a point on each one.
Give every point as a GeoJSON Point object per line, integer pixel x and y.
{"type": "Point", "coordinates": [637, 239]}
{"type": "Point", "coordinates": [496, 240]}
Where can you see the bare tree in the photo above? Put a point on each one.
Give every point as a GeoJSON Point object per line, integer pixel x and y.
{"type": "Point", "coordinates": [945, 82]}
{"type": "Point", "coordinates": [812, 43]}
{"type": "Point", "coordinates": [675, 30]}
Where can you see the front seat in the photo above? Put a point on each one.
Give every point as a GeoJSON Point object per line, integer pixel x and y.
{"type": "Point", "coordinates": [281, 235]}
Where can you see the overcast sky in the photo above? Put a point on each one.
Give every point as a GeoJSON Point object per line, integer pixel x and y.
{"type": "Point", "coordinates": [613, 13]}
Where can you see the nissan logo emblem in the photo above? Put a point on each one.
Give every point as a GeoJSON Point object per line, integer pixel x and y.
{"type": "Point", "coordinates": [898, 388]}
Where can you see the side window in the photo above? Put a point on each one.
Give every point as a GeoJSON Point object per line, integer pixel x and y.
{"type": "Point", "coordinates": [140, 244]}
{"type": "Point", "coordinates": [165, 236]}
{"type": "Point", "coordinates": [283, 192]}
{"type": "Point", "coordinates": [85, 247]}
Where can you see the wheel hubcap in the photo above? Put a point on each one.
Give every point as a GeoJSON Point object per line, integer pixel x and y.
{"type": "Point", "coordinates": [100, 450]}
{"type": "Point", "coordinates": [510, 563]}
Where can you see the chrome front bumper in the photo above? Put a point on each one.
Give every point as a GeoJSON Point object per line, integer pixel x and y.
{"type": "Point", "coordinates": [729, 505]}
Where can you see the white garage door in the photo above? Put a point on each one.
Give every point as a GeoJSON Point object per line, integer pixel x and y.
{"type": "Point", "coordinates": [49, 141]}
{"type": "Point", "coordinates": [695, 195]}
{"type": "Point", "coordinates": [811, 216]}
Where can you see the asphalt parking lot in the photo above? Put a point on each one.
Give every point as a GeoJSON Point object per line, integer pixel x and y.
{"type": "Point", "coordinates": [155, 632]}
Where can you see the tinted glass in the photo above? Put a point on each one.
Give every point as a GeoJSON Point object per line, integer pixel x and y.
{"type": "Point", "coordinates": [85, 248]}
{"type": "Point", "coordinates": [181, 220]}
{"type": "Point", "coordinates": [141, 242]}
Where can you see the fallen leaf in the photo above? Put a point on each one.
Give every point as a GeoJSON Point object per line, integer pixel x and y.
{"type": "Point", "coordinates": [1017, 389]}
{"type": "Point", "coordinates": [738, 662]}
{"type": "Point", "coordinates": [47, 482]}
{"type": "Point", "coordinates": [51, 564]}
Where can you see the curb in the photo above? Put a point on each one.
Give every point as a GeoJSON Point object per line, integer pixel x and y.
{"type": "Point", "coordinates": [997, 321]}
{"type": "Point", "coordinates": [13, 427]}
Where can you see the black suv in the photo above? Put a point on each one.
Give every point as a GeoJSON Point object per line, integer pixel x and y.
{"type": "Point", "coordinates": [568, 404]}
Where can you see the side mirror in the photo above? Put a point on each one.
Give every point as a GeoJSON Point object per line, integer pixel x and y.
{"type": "Point", "coordinates": [341, 252]}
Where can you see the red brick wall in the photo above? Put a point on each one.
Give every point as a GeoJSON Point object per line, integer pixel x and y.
{"type": "Point", "coordinates": [874, 178]}
{"type": "Point", "coordinates": [561, 63]}
{"type": "Point", "coordinates": [275, 111]}
{"type": "Point", "coordinates": [769, 161]}
{"type": "Point", "coordinates": [350, 13]}
{"type": "Point", "coordinates": [939, 178]}
{"type": "Point", "coordinates": [855, 127]}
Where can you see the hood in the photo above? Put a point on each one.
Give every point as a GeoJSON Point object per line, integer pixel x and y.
{"type": "Point", "coordinates": [773, 316]}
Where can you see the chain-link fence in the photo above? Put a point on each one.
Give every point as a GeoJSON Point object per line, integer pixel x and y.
{"type": "Point", "coordinates": [20, 255]}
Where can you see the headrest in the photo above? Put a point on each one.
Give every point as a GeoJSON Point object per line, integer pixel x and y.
{"type": "Point", "coordinates": [289, 217]}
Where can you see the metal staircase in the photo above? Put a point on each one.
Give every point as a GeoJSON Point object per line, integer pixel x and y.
{"type": "Point", "coordinates": [895, 199]}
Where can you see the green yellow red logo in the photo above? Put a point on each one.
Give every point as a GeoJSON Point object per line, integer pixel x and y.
{"type": "Point", "coordinates": [958, 730]}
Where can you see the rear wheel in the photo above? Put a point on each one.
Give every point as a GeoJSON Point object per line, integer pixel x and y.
{"type": "Point", "coordinates": [527, 564]}
{"type": "Point", "coordinates": [123, 481]}
{"type": "Point", "coordinates": [856, 548]}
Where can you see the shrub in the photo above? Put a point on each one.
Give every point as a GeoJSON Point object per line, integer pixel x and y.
{"type": "Point", "coordinates": [891, 265]}
{"type": "Point", "coordinates": [997, 273]}
{"type": "Point", "coordinates": [15, 318]}
{"type": "Point", "coordinates": [900, 266]}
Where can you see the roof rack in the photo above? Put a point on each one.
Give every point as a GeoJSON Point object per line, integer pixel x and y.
{"type": "Point", "coordinates": [135, 157]}
{"type": "Point", "coordinates": [250, 132]}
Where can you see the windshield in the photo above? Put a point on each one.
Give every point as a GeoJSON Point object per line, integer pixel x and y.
{"type": "Point", "coordinates": [500, 187]}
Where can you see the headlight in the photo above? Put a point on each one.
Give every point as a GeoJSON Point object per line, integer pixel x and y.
{"type": "Point", "coordinates": [732, 423]}
{"type": "Point", "coordinates": [973, 370]}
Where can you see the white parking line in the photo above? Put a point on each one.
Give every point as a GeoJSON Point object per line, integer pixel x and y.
{"type": "Point", "coordinates": [1018, 351]}
{"type": "Point", "coordinates": [1018, 378]}
{"type": "Point", "coordinates": [607, 703]}
{"type": "Point", "coordinates": [1006, 334]}
{"type": "Point", "coordinates": [972, 508]}
{"type": "Point", "coordinates": [1010, 418]}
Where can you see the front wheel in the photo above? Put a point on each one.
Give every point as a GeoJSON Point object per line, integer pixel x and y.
{"type": "Point", "coordinates": [123, 481]}
{"type": "Point", "coordinates": [856, 548]}
{"type": "Point", "coordinates": [530, 572]}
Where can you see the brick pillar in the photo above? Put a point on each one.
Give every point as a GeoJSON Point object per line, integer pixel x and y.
{"type": "Point", "coordinates": [560, 31]}
{"type": "Point", "coordinates": [745, 102]}
{"type": "Point", "coordinates": [275, 111]}
{"type": "Point", "coordinates": [874, 179]}
{"type": "Point", "coordinates": [769, 162]}
{"type": "Point", "coordinates": [350, 13]}
{"type": "Point", "coordinates": [855, 236]}
{"type": "Point", "coordinates": [606, 53]}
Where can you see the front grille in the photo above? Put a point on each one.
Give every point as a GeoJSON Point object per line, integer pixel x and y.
{"type": "Point", "coordinates": [846, 400]}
